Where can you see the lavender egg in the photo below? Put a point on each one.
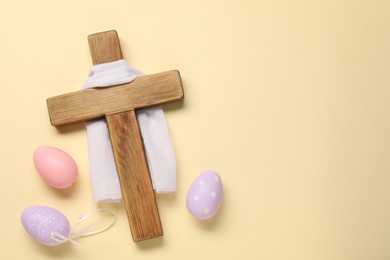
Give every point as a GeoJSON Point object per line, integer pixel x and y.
{"type": "Point", "coordinates": [204, 196]}
{"type": "Point", "coordinates": [46, 225]}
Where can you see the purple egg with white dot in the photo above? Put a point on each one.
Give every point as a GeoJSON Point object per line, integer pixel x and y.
{"type": "Point", "coordinates": [204, 196]}
{"type": "Point", "coordinates": [46, 225]}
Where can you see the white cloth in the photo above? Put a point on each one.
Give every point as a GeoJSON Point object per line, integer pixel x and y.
{"type": "Point", "coordinates": [154, 130]}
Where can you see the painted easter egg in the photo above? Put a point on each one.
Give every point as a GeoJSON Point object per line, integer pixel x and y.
{"type": "Point", "coordinates": [56, 167]}
{"type": "Point", "coordinates": [46, 225]}
{"type": "Point", "coordinates": [204, 196]}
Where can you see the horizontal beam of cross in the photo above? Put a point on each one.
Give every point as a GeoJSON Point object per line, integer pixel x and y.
{"type": "Point", "coordinates": [89, 104]}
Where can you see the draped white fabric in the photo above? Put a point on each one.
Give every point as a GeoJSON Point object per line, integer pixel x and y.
{"type": "Point", "coordinates": [154, 130]}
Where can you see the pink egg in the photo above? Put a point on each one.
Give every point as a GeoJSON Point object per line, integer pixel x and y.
{"type": "Point", "coordinates": [204, 196]}
{"type": "Point", "coordinates": [56, 167]}
{"type": "Point", "coordinates": [46, 225]}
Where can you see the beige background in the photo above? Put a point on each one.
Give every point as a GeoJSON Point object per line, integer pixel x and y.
{"type": "Point", "coordinates": [287, 100]}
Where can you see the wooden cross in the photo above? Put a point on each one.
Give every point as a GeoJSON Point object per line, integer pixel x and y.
{"type": "Point", "coordinates": [118, 104]}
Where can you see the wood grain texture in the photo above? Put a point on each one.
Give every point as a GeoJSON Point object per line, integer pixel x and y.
{"type": "Point", "coordinates": [130, 160]}
{"type": "Point", "coordinates": [118, 105]}
{"type": "Point", "coordinates": [132, 167]}
{"type": "Point", "coordinates": [88, 104]}
{"type": "Point", "coordinates": [105, 47]}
